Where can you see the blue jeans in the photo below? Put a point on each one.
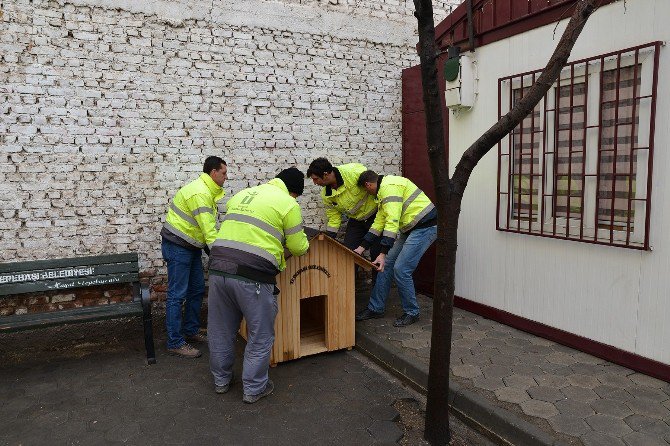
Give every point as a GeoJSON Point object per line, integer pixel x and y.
{"type": "Point", "coordinates": [401, 261]}
{"type": "Point", "coordinates": [186, 286]}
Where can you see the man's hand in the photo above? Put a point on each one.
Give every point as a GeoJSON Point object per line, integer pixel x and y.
{"type": "Point", "coordinates": [380, 261]}
{"type": "Point", "coordinates": [359, 250]}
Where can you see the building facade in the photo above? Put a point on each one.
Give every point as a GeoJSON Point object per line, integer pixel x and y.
{"type": "Point", "coordinates": [563, 225]}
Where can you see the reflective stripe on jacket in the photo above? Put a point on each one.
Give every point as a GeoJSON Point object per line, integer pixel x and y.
{"type": "Point", "coordinates": [262, 220]}
{"type": "Point", "coordinates": [401, 206]}
{"type": "Point", "coordinates": [192, 212]}
{"type": "Point", "coordinates": [348, 199]}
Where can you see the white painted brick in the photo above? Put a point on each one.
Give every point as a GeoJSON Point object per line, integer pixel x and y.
{"type": "Point", "coordinates": [124, 111]}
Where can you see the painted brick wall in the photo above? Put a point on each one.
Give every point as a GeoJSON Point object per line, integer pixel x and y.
{"type": "Point", "coordinates": [108, 107]}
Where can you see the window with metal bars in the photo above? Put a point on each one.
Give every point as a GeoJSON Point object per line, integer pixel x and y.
{"type": "Point", "coordinates": [579, 166]}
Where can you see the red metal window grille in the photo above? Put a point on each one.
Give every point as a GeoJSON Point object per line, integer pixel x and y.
{"type": "Point", "coordinates": [525, 165]}
{"type": "Point", "coordinates": [618, 160]}
{"type": "Point", "coordinates": [569, 165]}
{"type": "Point", "coordinates": [579, 166]}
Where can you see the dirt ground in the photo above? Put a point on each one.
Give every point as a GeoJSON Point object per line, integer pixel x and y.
{"type": "Point", "coordinates": [412, 419]}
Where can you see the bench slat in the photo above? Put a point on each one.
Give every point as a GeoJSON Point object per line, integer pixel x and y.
{"type": "Point", "coordinates": [59, 274]}
{"type": "Point", "coordinates": [67, 263]}
{"type": "Point", "coordinates": [66, 284]}
{"type": "Point", "coordinates": [76, 315]}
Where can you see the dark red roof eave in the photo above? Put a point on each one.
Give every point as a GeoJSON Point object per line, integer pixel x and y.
{"type": "Point", "coordinates": [500, 19]}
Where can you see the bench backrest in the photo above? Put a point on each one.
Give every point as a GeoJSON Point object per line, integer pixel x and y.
{"type": "Point", "coordinates": [63, 274]}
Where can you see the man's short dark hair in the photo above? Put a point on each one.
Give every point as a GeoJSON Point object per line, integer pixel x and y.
{"type": "Point", "coordinates": [212, 163]}
{"type": "Point", "coordinates": [293, 180]}
{"type": "Point", "coordinates": [319, 167]}
{"type": "Point", "coordinates": [369, 176]}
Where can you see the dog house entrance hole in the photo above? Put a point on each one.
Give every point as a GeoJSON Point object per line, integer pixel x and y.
{"type": "Point", "coordinates": [313, 325]}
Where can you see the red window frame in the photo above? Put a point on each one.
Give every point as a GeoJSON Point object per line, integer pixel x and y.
{"type": "Point", "coordinates": [529, 199]}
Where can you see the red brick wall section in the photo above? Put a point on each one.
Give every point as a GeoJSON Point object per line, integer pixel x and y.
{"type": "Point", "coordinates": [64, 300]}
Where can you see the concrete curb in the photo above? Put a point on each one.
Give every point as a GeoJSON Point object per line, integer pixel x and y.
{"type": "Point", "coordinates": [501, 423]}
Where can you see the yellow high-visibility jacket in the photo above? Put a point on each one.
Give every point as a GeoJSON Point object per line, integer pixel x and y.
{"type": "Point", "coordinates": [401, 206]}
{"type": "Point", "coordinates": [348, 199]}
{"type": "Point", "coordinates": [192, 213]}
{"type": "Point", "coordinates": [260, 221]}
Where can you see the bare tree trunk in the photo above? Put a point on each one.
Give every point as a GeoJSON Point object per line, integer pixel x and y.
{"type": "Point", "coordinates": [437, 408]}
{"type": "Point", "coordinates": [449, 193]}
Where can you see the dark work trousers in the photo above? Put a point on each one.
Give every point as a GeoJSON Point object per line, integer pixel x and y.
{"type": "Point", "coordinates": [356, 230]}
{"type": "Point", "coordinates": [231, 299]}
{"type": "Point", "coordinates": [353, 236]}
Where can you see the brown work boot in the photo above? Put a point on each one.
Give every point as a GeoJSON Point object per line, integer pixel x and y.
{"type": "Point", "coordinates": [185, 351]}
{"type": "Point", "coordinates": [196, 338]}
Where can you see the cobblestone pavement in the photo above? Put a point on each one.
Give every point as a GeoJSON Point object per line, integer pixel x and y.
{"type": "Point", "coordinates": [89, 385]}
{"type": "Point", "coordinates": [575, 397]}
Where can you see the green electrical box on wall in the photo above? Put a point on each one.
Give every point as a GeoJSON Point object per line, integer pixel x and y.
{"type": "Point", "coordinates": [451, 69]}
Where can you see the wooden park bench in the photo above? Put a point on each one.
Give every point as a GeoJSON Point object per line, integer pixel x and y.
{"type": "Point", "coordinates": [65, 275]}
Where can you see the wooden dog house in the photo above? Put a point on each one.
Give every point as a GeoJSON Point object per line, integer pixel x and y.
{"type": "Point", "coordinates": [317, 301]}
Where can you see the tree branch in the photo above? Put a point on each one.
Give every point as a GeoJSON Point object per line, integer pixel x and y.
{"type": "Point", "coordinates": [525, 106]}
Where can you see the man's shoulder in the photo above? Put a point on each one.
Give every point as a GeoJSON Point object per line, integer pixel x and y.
{"type": "Point", "coordinates": [351, 169]}
{"type": "Point", "coordinates": [193, 187]}
{"type": "Point", "coordinates": [394, 181]}
{"type": "Point", "coordinates": [351, 166]}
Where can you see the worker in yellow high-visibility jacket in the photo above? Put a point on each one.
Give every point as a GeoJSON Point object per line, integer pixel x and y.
{"type": "Point", "coordinates": [246, 256]}
{"type": "Point", "coordinates": [406, 222]}
{"type": "Point", "coordinates": [342, 196]}
{"type": "Point", "coordinates": [190, 226]}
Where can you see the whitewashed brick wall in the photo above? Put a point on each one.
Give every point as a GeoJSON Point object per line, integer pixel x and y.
{"type": "Point", "coordinates": [107, 107]}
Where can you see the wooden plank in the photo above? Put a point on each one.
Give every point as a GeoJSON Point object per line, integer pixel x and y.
{"type": "Point", "coordinates": [323, 289]}
{"type": "Point", "coordinates": [287, 349]}
{"type": "Point", "coordinates": [360, 260]}
{"type": "Point", "coordinates": [337, 258]}
{"type": "Point", "coordinates": [76, 315]}
{"type": "Point", "coordinates": [303, 278]}
{"type": "Point", "coordinates": [288, 309]}
{"type": "Point", "coordinates": [282, 345]}
{"type": "Point", "coordinates": [333, 255]}
{"type": "Point", "coordinates": [313, 344]}
{"type": "Point", "coordinates": [327, 251]}
{"type": "Point", "coordinates": [324, 279]}
{"type": "Point", "coordinates": [295, 311]}
{"type": "Point", "coordinates": [342, 262]}
{"type": "Point", "coordinates": [334, 259]}
{"type": "Point", "coordinates": [67, 263]}
{"type": "Point", "coordinates": [341, 319]}
{"type": "Point", "coordinates": [66, 284]}
{"type": "Point", "coordinates": [349, 316]}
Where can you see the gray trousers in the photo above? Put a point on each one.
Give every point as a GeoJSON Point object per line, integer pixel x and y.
{"type": "Point", "coordinates": [229, 300]}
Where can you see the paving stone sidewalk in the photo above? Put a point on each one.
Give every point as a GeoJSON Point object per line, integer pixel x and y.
{"type": "Point", "coordinates": [572, 396]}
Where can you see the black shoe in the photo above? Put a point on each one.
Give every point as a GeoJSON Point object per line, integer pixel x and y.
{"type": "Point", "coordinates": [405, 320]}
{"type": "Point", "coordinates": [368, 314]}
